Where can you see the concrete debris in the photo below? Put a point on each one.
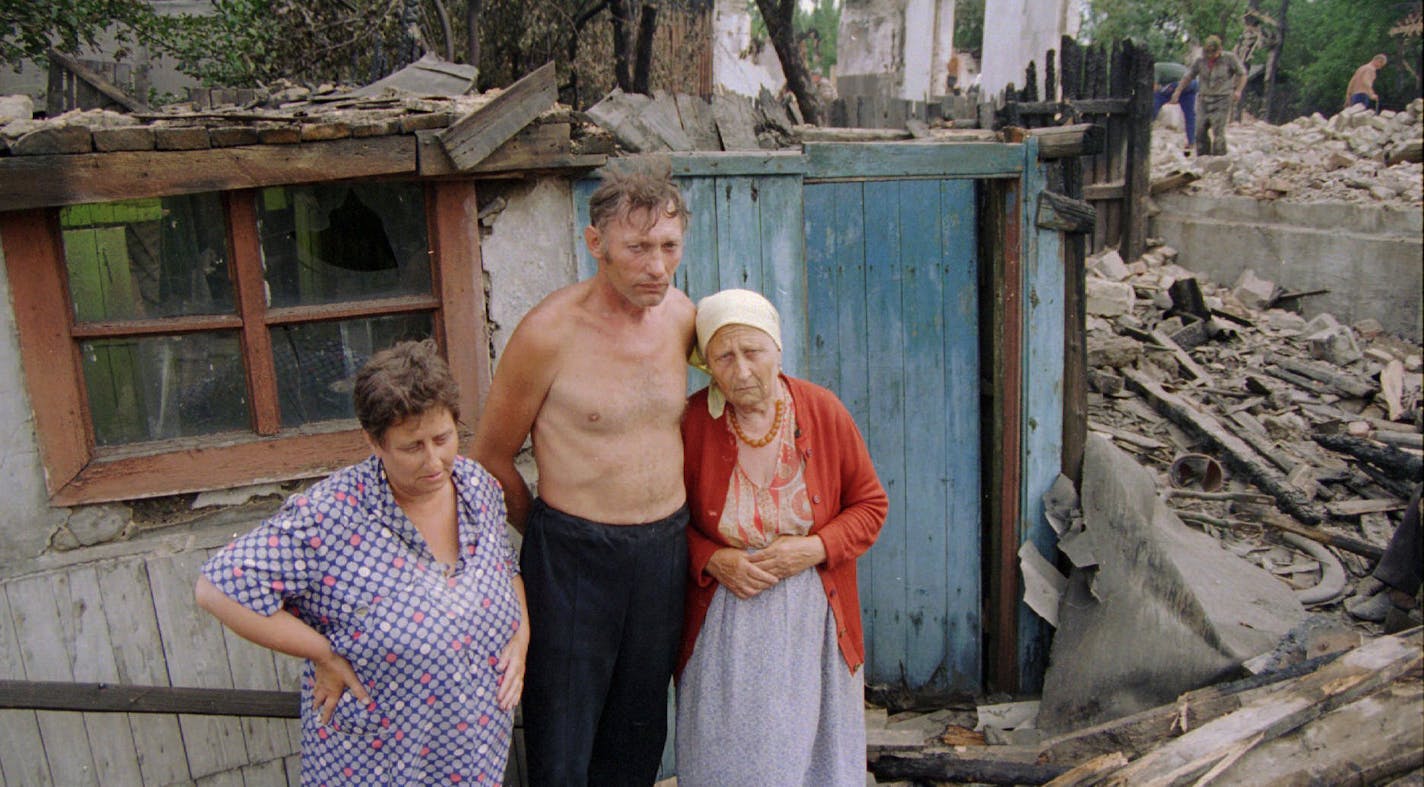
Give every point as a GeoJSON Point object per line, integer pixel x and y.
{"type": "Point", "coordinates": [1355, 156]}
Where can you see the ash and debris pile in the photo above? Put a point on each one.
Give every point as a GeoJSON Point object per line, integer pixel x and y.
{"type": "Point", "coordinates": [1356, 156]}
{"type": "Point", "coordinates": [1317, 425]}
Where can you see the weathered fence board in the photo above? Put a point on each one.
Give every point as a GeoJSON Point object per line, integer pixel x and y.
{"type": "Point", "coordinates": [194, 650]}
{"type": "Point", "coordinates": [134, 636]}
{"type": "Point", "coordinates": [24, 760]}
{"type": "Point", "coordinates": [110, 737]}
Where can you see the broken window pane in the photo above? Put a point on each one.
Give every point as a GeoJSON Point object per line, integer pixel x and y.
{"type": "Point", "coordinates": [161, 387]}
{"type": "Point", "coordinates": [327, 244]}
{"type": "Point", "coordinates": [147, 258]}
{"type": "Point", "coordinates": [317, 362]}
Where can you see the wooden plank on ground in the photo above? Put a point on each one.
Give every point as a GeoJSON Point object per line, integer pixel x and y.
{"type": "Point", "coordinates": [736, 122]}
{"type": "Point", "coordinates": [1348, 509]}
{"type": "Point", "coordinates": [134, 638]}
{"type": "Point", "coordinates": [196, 655]}
{"type": "Point", "coordinates": [660, 117]}
{"type": "Point", "coordinates": [619, 113]}
{"type": "Point", "coordinates": [699, 122]}
{"type": "Point", "coordinates": [1291, 705]}
{"type": "Point", "coordinates": [44, 651]}
{"type": "Point", "coordinates": [476, 135]}
{"type": "Point", "coordinates": [24, 761]}
{"type": "Point", "coordinates": [110, 737]}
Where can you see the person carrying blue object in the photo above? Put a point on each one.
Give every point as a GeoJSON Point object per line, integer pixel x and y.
{"type": "Point", "coordinates": [1165, 77]}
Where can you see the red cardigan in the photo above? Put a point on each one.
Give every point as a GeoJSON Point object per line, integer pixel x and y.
{"type": "Point", "coordinates": [848, 504]}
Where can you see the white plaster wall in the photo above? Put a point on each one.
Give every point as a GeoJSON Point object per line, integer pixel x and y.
{"type": "Point", "coordinates": [919, 56]}
{"type": "Point", "coordinates": [26, 519]}
{"type": "Point", "coordinates": [907, 41]}
{"type": "Point", "coordinates": [1017, 32]}
{"type": "Point", "coordinates": [734, 68]}
{"type": "Point", "coordinates": [942, 47]}
{"type": "Point", "coordinates": [529, 252]}
{"type": "Point", "coordinates": [870, 36]}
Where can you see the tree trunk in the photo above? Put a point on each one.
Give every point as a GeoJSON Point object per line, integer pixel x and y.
{"type": "Point", "coordinates": [1273, 59]}
{"type": "Point", "coordinates": [643, 53]}
{"type": "Point", "coordinates": [623, 29]}
{"type": "Point", "coordinates": [472, 26]}
{"type": "Point", "coordinates": [778, 15]}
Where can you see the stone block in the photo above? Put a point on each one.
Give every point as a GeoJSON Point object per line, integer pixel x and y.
{"type": "Point", "coordinates": [1109, 298]}
{"type": "Point", "coordinates": [1336, 345]}
{"type": "Point", "coordinates": [1252, 291]}
{"type": "Point", "coordinates": [1109, 265]}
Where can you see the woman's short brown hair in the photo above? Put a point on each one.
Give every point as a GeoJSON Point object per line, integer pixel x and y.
{"type": "Point", "coordinates": [405, 380]}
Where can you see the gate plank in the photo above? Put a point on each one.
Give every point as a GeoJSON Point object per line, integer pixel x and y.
{"type": "Point", "coordinates": [133, 633]}
{"type": "Point", "coordinates": [783, 279]}
{"type": "Point", "coordinates": [196, 655]}
{"type": "Point", "coordinates": [24, 761]}
{"type": "Point", "coordinates": [885, 428]}
{"type": "Point", "coordinates": [110, 738]}
{"type": "Point", "coordinates": [40, 631]}
{"type": "Point", "coordinates": [963, 515]}
{"type": "Point", "coordinates": [927, 552]}
{"type": "Point", "coordinates": [739, 263]}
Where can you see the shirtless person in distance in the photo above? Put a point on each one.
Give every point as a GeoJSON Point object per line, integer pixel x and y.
{"type": "Point", "coordinates": [596, 373]}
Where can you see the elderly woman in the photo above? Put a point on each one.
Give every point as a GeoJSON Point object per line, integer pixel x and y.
{"type": "Point", "coordinates": [783, 499]}
{"type": "Point", "coordinates": [395, 580]}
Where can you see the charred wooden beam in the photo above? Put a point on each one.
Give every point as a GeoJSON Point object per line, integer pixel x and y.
{"type": "Point", "coordinates": [1238, 453]}
{"type": "Point", "coordinates": [1057, 212]}
{"type": "Point", "coordinates": [1394, 462]}
{"type": "Point", "coordinates": [951, 767]}
{"type": "Point", "coordinates": [1079, 139]}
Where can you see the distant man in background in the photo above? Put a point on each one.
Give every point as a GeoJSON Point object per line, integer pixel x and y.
{"type": "Point", "coordinates": [1222, 79]}
{"type": "Point", "coordinates": [1361, 89]}
{"type": "Point", "coordinates": [1165, 78]}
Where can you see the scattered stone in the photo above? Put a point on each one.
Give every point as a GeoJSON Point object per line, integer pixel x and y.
{"type": "Point", "coordinates": [1254, 292]}
{"type": "Point", "coordinates": [1109, 298]}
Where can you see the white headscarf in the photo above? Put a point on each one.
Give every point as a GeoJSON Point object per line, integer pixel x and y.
{"type": "Point", "coordinates": [730, 307]}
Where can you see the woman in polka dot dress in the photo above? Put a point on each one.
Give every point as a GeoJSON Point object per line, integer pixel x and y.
{"type": "Point", "coordinates": [396, 581]}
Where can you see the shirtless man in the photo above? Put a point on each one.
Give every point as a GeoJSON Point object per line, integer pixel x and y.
{"type": "Point", "coordinates": [1361, 89]}
{"type": "Point", "coordinates": [596, 373]}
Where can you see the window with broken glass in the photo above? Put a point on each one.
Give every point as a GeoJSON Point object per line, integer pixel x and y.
{"type": "Point", "coordinates": [342, 271]}
{"type": "Point", "coordinates": [216, 336]}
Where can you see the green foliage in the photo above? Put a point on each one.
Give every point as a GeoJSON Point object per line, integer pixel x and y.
{"type": "Point", "coordinates": [816, 29]}
{"type": "Point", "coordinates": [968, 25]}
{"type": "Point", "coordinates": [28, 28]}
{"type": "Point", "coordinates": [1169, 28]}
{"type": "Point", "coordinates": [1325, 41]}
{"type": "Point", "coordinates": [1328, 39]}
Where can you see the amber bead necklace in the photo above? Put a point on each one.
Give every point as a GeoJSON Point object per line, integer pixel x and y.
{"type": "Point", "coordinates": [770, 434]}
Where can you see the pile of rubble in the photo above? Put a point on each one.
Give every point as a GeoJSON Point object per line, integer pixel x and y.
{"type": "Point", "coordinates": [1355, 156]}
{"type": "Point", "coordinates": [1293, 444]}
{"type": "Point", "coordinates": [1316, 424]}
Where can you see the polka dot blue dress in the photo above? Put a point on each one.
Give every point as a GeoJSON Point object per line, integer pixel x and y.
{"type": "Point", "coordinates": [422, 636]}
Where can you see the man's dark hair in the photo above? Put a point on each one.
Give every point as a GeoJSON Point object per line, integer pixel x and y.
{"type": "Point", "coordinates": [405, 380]}
{"type": "Point", "coordinates": [641, 183]}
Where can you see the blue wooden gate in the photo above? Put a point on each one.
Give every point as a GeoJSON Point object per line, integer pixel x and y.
{"type": "Point", "coordinates": [892, 273]}
{"type": "Point", "coordinates": [871, 255]}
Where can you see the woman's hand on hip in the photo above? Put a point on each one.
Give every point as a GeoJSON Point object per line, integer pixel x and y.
{"type": "Point", "coordinates": [333, 676]}
{"type": "Point", "coordinates": [737, 573]}
{"type": "Point", "coordinates": [511, 668]}
{"type": "Point", "coordinates": [788, 556]}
